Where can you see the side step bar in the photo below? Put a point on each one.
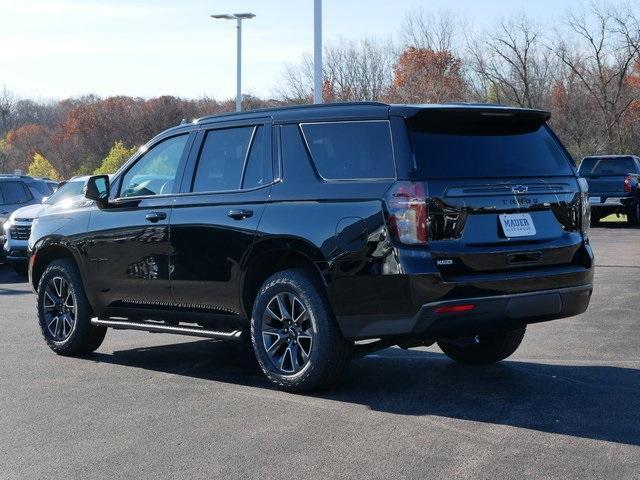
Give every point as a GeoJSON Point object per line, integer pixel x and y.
{"type": "Point", "coordinates": [161, 328]}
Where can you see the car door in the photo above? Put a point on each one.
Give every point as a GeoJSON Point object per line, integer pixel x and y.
{"type": "Point", "coordinates": [214, 221]}
{"type": "Point", "coordinates": [128, 244]}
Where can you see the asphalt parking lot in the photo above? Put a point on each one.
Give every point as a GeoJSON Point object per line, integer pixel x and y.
{"type": "Point", "coordinates": [566, 405]}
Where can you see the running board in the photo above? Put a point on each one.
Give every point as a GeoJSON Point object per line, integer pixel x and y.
{"type": "Point", "coordinates": [161, 328]}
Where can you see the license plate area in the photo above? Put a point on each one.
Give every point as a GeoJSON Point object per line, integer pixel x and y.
{"type": "Point", "coordinates": [515, 225]}
{"type": "Point", "coordinates": [594, 200]}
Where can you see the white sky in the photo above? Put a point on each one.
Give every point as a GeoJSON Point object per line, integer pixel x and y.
{"type": "Point", "coordinates": [62, 48]}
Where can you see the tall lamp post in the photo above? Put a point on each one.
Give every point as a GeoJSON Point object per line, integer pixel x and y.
{"type": "Point", "coordinates": [317, 51]}
{"type": "Point", "coordinates": [238, 17]}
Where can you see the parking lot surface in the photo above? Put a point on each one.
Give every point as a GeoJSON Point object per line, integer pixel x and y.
{"type": "Point", "coordinates": [565, 405]}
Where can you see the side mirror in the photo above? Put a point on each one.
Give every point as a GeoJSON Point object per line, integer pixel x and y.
{"type": "Point", "coordinates": [44, 199]}
{"type": "Point", "coordinates": [97, 189]}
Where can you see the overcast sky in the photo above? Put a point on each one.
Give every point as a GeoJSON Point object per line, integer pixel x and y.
{"type": "Point", "coordinates": [62, 48]}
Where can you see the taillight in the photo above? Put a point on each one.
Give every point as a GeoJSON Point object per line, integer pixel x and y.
{"type": "Point", "coordinates": [585, 209]}
{"type": "Point", "coordinates": [455, 308]}
{"type": "Point", "coordinates": [627, 184]}
{"type": "Point", "coordinates": [407, 206]}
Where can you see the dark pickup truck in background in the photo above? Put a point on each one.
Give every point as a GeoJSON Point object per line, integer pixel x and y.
{"type": "Point", "coordinates": [613, 186]}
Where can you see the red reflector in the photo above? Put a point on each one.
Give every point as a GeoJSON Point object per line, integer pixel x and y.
{"type": "Point", "coordinates": [455, 308]}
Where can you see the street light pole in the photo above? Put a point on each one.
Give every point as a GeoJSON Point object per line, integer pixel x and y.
{"type": "Point", "coordinates": [239, 66]}
{"type": "Point", "coordinates": [317, 51]}
{"type": "Point", "coordinates": [238, 17]}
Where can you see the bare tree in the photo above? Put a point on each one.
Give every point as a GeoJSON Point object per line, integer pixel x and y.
{"type": "Point", "coordinates": [7, 107]}
{"type": "Point", "coordinates": [432, 31]}
{"type": "Point", "coordinates": [511, 64]}
{"type": "Point", "coordinates": [601, 54]}
{"type": "Point", "coordinates": [352, 70]}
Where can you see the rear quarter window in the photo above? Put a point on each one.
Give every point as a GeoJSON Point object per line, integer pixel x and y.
{"type": "Point", "coordinates": [355, 150]}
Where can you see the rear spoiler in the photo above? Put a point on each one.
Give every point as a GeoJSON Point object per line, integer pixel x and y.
{"type": "Point", "coordinates": [477, 120]}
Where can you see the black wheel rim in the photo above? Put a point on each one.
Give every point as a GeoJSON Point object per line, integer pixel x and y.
{"type": "Point", "coordinates": [59, 308]}
{"type": "Point", "coordinates": [287, 333]}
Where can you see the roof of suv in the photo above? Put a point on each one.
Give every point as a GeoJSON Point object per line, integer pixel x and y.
{"type": "Point", "coordinates": [351, 110]}
{"type": "Point", "coordinates": [27, 178]}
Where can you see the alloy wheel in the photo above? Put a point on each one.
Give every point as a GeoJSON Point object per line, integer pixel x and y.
{"type": "Point", "coordinates": [59, 308]}
{"type": "Point", "coordinates": [287, 332]}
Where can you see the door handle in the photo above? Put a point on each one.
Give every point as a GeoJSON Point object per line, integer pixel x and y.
{"type": "Point", "coordinates": [154, 217]}
{"type": "Point", "coordinates": [239, 214]}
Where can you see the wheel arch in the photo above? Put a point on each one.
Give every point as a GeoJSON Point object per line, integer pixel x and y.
{"type": "Point", "coordinates": [274, 255]}
{"type": "Point", "coordinates": [44, 254]}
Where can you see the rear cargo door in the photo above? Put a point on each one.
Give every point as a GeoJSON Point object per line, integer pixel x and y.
{"type": "Point", "coordinates": [501, 190]}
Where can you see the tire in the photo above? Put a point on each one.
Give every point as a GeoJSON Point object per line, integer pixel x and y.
{"type": "Point", "coordinates": [280, 343]}
{"type": "Point", "coordinates": [20, 268]}
{"type": "Point", "coordinates": [633, 214]}
{"type": "Point", "coordinates": [489, 348]}
{"type": "Point", "coordinates": [72, 333]}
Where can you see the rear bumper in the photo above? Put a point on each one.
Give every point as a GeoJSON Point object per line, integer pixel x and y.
{"type": "Point", "coordinates": [488, 313]}
{"type": "Point", "coordinates": [611, 201]}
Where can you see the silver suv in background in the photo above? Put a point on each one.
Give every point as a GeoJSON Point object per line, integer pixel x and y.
{"type": "Point", "coordinates": [17, 191]}
{"type": "Point", "coordinates": [17, 228]}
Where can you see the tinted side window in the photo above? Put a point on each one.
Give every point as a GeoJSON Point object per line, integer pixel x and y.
{"type": "Point", "coordinates": [155, 172]}
{"type": "Point", "coordinates": [259, 170]}
{"type": "Point", "coordinates": [15, 193]}
{"type": "Point", "coordinates": [222, 159]}
{"type": "Point", "coordinates": [351, 150]}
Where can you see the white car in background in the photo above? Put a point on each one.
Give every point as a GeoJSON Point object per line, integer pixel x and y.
{"type": "Point", "coordinates": [18, 227]}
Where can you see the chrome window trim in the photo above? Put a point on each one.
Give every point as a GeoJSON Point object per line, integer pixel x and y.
{"type": "Point", "coordinates": [246, 156]}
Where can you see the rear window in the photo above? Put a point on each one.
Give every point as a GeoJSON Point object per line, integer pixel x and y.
{"type": "Point", "coordinates": [351, 150]}
{"type": "Point", "coordinates": [607, 166]}
{"type": "Point", "coordinates": [473, 150]}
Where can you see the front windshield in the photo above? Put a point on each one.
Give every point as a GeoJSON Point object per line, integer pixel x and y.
{"type": "Point", "coordinates": [68, 190]}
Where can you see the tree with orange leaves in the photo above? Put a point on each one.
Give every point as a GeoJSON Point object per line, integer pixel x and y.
{"type": "Point", "coordinates": [422, 75]}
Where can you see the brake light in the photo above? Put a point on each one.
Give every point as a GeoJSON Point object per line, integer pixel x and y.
{"type": "Point", "coordinates": [585, 208]}
{"type": "Point", "coordinates": [455, 308]}
{"type": "Point", "coordinates": [407, 207]}
{"type": "Point", "coordinates": [627, 184]}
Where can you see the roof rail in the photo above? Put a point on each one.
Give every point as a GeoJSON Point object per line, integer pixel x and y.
{"type": "Point", "coordinates": [289, 108]}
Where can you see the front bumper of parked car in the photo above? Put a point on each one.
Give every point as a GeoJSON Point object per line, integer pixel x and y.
{"type": "Point", "coordinates": [15, 250]}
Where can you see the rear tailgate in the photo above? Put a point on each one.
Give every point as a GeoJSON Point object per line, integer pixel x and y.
{"type": "Point", "coordinates": [501, 190]}
{"type": "Point", "coordinates": [606, 177]}
{"type": "Point", "coordinates": [469, 223]}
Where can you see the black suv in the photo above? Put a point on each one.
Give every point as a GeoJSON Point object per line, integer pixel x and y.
{"type": "Point", "coordinates": [325, 232]}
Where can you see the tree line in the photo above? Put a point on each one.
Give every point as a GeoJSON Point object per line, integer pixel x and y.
{"type": "Point", "coordinates": [584, 68]}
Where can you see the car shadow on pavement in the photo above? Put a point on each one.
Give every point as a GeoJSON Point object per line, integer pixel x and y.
{"type": "Point", "coordinates": [9, 276]}
{"type": "Point", "coordinates": [592, 401]}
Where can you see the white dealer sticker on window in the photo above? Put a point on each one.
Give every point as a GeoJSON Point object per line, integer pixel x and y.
{"type": "Point", "coordinates": [517, 225]}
